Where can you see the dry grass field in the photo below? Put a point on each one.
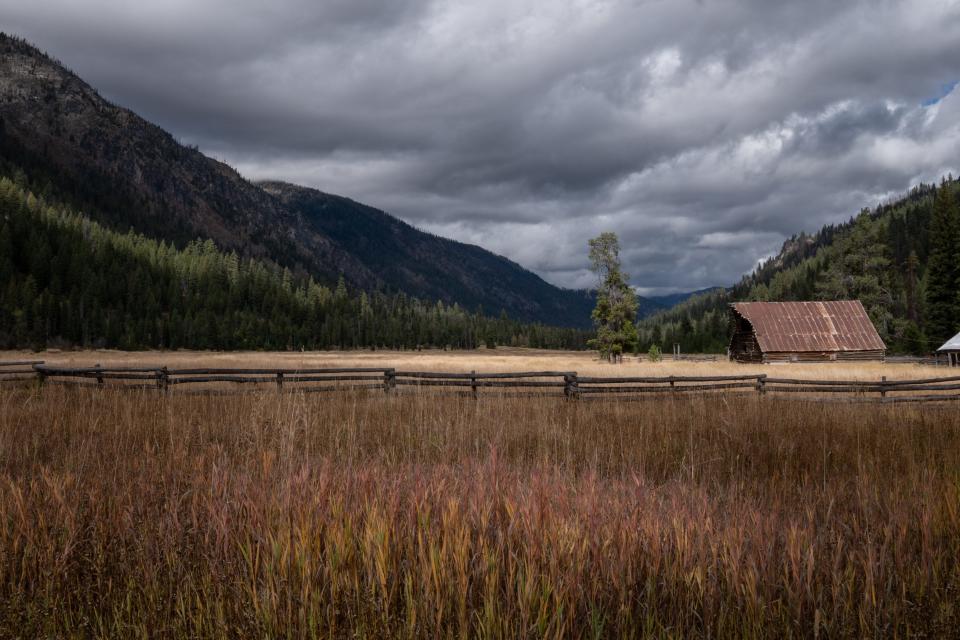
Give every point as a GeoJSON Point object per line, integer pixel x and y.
{"type": "Point", "coordinates": [494, 360]}
{"type": "Point", "coordinates": [134, 514]}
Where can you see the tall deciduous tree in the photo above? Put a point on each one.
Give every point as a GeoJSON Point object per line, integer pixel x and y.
{"type": "Point", "coordinates": [616, 311]}
{"type": "Point", "coordinates": [943, 269]}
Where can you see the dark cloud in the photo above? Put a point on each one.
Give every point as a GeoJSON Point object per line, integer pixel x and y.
{"type": "Point", "coordinates": [704, 133]}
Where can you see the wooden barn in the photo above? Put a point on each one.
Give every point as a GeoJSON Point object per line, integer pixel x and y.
{"type": "Point", "coordinates": [951, 349]}
{"type": "Point", "coordinates": [803, 332]}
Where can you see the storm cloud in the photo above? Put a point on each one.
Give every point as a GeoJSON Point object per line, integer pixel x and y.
{"type": "Point", "coordinates": [703, 132]}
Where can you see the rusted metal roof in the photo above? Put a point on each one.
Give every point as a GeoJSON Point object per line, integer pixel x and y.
{"type": "Point", "coordinates": [840, 325]}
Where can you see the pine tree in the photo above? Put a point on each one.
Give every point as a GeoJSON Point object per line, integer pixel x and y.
{"type": "Point", "coordinates": [910, 286]}
{"type": "Point", "coordinates": [616, 311]}
{"type": "Point", "coordinates": [862, 272]}
{"type": "Point", "coordinates": [943, 269]}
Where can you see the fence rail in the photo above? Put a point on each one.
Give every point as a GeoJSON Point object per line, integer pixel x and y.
{"type": "Point", "coordinates": [216, 381]}
{"type": "Point", "coordinates": [18, 370]}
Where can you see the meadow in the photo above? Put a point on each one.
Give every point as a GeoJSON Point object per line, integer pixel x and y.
{"type": "Point", "coordinates": [501, 359]}
{"type": "Point", "coordinates": [133, 514]}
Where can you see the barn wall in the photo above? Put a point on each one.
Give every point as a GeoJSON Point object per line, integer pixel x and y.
{"type": "Point", "coordinates": [861, 355]}
{"type": "Point", "coordinates": [823, 356]}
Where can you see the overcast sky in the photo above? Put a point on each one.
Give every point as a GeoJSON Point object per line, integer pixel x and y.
{"type": "Point", "coordinates": [704, 133]}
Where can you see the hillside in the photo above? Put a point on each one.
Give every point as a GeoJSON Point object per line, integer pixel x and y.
{"type": "Point", "coordinates": [407, 259]}
{"type": "Point", "coordinates": [73, 146]}
{"type": "Point", "coordinates": [881, 257]}
{"type": "Point", "coordinates": [67, 281]}
{"type": "Point", "coordinates": [651, 305]}
{"type": "Point", "coordinates": [128, 173]}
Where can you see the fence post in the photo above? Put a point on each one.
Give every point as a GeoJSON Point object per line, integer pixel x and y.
{"type": "Point", "coordinates": [279, 380]}
{"type": "Point", "coordinates": [762, 383]}
{"type": "Point", "coordinates": [571, 388]}
{"type": "Point", "coordinates": [673, 385]}
{"type": "Point", "coordinates": [473, 383]}
{"type": "Point", "coordinates": [389, 380]}
{"type": "Point", "coordinates": [164, 379]}
{"type": "Point", "coordinates": [99, 375]}
{"type": "Point", "coordinates": [883, 388]}
{"type": "Point", "coordinates": [41, 377]}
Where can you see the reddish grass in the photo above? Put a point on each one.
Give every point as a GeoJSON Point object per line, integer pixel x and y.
{"type": "Point", "coordinates": [365, 516]}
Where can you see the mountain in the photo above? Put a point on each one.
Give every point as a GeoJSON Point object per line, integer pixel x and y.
{"type": "Point", "coordinates": [881, 257]}
{"type": "Point", "coordinates": [650, 305]}
{"type": "Point", "coordinates": [77, 148]}
{"type": "Point", "coordinates": [68, 281]}
{"type": "Point", "coordinates": [407, 259]}
{"type": "Point", "coordinates": [126, 172]}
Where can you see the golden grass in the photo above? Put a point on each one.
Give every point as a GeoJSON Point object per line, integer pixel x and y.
{"type": "Point", "coordinates": [494, 360]}
{"type": "Point", "coordinates": [136, 515]}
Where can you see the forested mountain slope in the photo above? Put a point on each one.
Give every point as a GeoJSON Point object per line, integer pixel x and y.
{"type": "Point", "coordinates": [72, 146]}
{"type": "Point", "coordinates": [128, 173]}
{"type": "Point", "coordinates": [68, 281]}
{"type": "Point", "coordinates": [407, 259]}
{"type": "Point", "coordinates": [902, 260]}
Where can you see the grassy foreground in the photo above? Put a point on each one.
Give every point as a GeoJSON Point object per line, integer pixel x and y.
{"type": "Point", "coordinates": [125, 515]}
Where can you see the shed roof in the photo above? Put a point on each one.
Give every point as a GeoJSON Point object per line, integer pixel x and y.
{"type": "Point", "coordinates": [840, 325]}
{"type": "Point", "coordinates": [953, 344]}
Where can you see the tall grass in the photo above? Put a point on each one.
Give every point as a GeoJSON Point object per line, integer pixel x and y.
{"type": "Point", "coordinates": [127, 515]}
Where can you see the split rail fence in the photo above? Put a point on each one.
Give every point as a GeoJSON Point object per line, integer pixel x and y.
{"type": "Point", "coordinates": [560, 383]}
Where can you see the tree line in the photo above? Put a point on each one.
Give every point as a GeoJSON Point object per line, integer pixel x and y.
{"type": "Point", "coordinates": [67, 281]}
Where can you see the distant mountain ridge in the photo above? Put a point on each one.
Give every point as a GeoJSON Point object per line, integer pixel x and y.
{"type": "Point", "coordinates": [650, 305]}
{"type": "Point", "coordinates": [125, 172]}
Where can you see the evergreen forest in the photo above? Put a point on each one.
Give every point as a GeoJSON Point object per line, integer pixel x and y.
{"type": "Point", "coordinates": [67, 281]}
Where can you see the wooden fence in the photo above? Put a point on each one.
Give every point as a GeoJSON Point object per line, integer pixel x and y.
{"type": "Point", "coordinates": [934, 360]}
{"type": "Point", "coordinates": [560, 383]}
{"type": "Point", "coordinates": [18, 370]}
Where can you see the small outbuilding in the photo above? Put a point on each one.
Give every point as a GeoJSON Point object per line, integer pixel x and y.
{"type": "Point", "coordinates": [951, 349]}
{"type": "Point", "coordinates": [803, 332]}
